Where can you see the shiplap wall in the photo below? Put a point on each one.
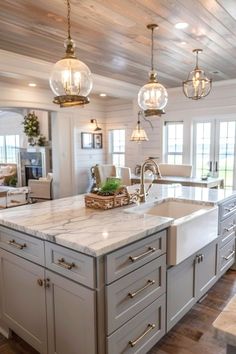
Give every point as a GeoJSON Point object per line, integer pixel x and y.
{"type": "Point", "coordinates": [220, 104]}
{"type": "Point", "coordinates": [71, 164]}
{"type": "Point", "coordinates": [121, 114]}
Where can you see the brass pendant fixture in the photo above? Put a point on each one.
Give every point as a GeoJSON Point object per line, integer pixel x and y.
{"type": "Point", "coordinates": [197, 84]}
{"type": "Point", "coordinates": [139, 133]}
{"type": "Point", "coordinates": [70, 79]}
{"type": "Point", "coordinates": [152, 97]}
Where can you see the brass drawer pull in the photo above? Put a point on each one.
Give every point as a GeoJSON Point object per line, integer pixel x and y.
{"type": "Point", "coordinates": [231, 228]}
{"type": "Point", "coordinates": [150, 250]}
{"type": "Point", "coordinates": [149, 283]}
{"type": "Point", "coordinates": [62, 263]}
{"type": "Point", "coordinates": [17, 245]}
{"type": "Point", "coordinates": [132, 343]}
{"type": "Point", "coordinates": [229, 256]}
{"type": "Point", "coordinates": [44, 282]}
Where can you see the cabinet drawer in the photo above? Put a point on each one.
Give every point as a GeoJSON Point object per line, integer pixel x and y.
{"type": "Point", "coordinates": [71, 264]}
{"type": "Point", "coordinates": [129, 258]}
{"type": "Point", "coordinates": [140, 333]}
{"type": "Point", "coordinates": [227, 208]}
{"type": "Point", "coordinates": [227, 229]}
{"type": "Point", "coordinates": [22, 245]}
{"type": "Point", "coordinates": [132, 293]}
{"type": "Point", "coordinates": [227, 256]}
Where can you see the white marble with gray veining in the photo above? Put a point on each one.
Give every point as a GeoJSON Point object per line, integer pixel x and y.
{"type": "Point", "coordinates": [96, 232]}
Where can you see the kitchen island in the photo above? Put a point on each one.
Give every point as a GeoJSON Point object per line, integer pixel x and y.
{"type": "Point", "coordinates": [79, 281]}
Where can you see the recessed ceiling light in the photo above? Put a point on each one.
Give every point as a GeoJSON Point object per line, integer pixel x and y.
{"type": "Point", "coordinates": [183, 43]}
{"type": "Point", "coordinates": [181, 25]}
{"type": "Point", "coordinates": [102, 94]}
{"type": "Point", "coordinates": [32, 84]}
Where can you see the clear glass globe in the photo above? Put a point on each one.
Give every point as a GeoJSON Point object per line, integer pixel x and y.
{"type": "Point", "coordinates": [152, 96]}
{"type": "Point", "coordinates": [71, 76]}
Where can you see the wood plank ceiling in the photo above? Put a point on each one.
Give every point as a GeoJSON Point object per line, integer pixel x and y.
{"type": "Point", "coordinates": [113, 41]}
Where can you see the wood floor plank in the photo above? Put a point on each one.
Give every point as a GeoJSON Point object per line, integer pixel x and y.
{"type": "Point", "coordinates": [192, 335]}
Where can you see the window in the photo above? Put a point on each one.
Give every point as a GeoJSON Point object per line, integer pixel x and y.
{"type": "Point", "coordinates": [226, 152]}
{"type": "Point", "coordinates": [117, 147]}
{"type": "Point", "coordinates": [214, 150]}
{"type": "Point", "coordinates": [174, 142]}
{"type": "Point", "coordinates": [202, 148]}
{"type": "Point", "coordinates": [9, 146]}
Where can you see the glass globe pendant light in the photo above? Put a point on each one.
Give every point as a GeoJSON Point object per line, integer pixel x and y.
{"type": "Point", "coordinates": [139, 133]}
{"type": "Point", "coordinates": [70, 79]}
{"type": "Point", "coordinates": [152, 97]}
{"type": "Point", "coordinates": [197, 84]}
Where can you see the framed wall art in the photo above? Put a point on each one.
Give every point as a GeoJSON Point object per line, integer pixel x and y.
{"type": "Point", "coordinates": [87, 141]}
{"type": "Point", "coordinates": [97, 140]}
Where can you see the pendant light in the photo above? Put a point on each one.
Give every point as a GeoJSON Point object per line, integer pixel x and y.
{"type": "Point", "coordinates": [70, 79]}
{"type": "Point", "coordinates": [152, 97]}
{"type": "Point", "coordinates": [197, 84]}
{"type": "Point", "coordinates": [139, 133]}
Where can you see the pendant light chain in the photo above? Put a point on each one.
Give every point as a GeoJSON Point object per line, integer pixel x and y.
{"type": "Point", "coordinates": [152, 49]}
{"type": "Point", "coordinates": [197, 60]}
{"type": "Point", "coordinates": [70, 79]}
{"type": "Point", "coordinates": [68, 18]}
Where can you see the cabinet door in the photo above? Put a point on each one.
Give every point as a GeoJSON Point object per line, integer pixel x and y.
{"type": "Point", "coordinates": [71, 316]}
{"type": "Point", "coordinates": [23, 299]}
{"type": "Point", "coordinates": [206, 269]}
{"type": "Point", "coordinates": [180, 290]}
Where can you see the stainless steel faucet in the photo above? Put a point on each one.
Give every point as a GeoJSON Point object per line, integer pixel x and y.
{"type": "Point", "coordinates": [142, 192]}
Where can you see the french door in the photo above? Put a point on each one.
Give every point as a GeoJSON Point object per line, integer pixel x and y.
{"type": "Point", "coordinates": [214, 150]}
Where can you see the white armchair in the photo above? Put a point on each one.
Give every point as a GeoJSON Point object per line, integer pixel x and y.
{"type": "Point", "coordinates": [41, 188]}
{"type": "Point", "coordinates": [102, 172]}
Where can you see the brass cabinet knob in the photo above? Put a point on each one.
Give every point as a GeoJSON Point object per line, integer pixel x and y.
{"type": "Point", "coordinates": [40, 282]}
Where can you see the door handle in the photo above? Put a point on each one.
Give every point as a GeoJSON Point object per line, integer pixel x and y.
{"type": "Point", "coordinates": [216, 166]}
{"type": "Point", "coordinates": [210, 169]}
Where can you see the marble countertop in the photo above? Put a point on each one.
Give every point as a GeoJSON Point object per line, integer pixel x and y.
{"type": "Point", "coordinates": [224, 325]}
{"type": "Point", "coordinates": [96, 232]}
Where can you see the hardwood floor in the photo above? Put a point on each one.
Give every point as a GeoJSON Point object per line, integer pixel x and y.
{"type": "Point", "coordinates": [192, 335]}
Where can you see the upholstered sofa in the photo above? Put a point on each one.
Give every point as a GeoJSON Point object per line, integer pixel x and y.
{"type": "Point", "coordinates": [7, 171]}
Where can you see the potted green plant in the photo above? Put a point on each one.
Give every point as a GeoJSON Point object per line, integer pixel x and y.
{"type": "Point", "coordinates": [31, 127]}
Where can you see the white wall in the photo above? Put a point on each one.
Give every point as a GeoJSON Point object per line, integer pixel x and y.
{"type": "Point", "coordinates": [11, 124]}
{"type": "Point", "coordinates": [71, 164]}
{"type": "Point", "coordinates": [221, 103]}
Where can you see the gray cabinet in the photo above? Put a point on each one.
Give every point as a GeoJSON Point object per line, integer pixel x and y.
{"type": "Point", "coordinates": [206, 268]}
{"type": "Point", "coordinates": [53, 314]}
{"type": "Point", "coordinates": [135, 296]}
{"type": "Point", "coordinates": [141, 333]}
{"type": "Point", "coordinates": [23, 299]}
{"type": "Point", "coordinates": [227, 225]}
{"type": "Point", "coordinates": [71, 317]}
{"type": "Point", "coordinates": [189, 281]}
